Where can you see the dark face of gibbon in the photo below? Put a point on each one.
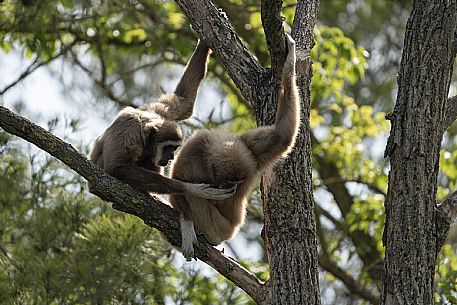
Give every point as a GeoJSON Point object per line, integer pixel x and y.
{"type": "Point", "coordinates": [167, 154]}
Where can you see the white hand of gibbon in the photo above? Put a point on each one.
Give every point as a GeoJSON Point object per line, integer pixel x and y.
{"type": "Point", "coordinates": [208, 191]}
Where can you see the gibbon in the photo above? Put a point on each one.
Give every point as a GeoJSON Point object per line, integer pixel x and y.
{"type": "Point", "coordinates": [215, 157]}
{"type": "Point", "coordinates": [140, 141]}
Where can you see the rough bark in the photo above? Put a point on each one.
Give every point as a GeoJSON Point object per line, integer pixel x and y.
{"type": "Point", "coordinates": [154, 212]}
{"type": "Point", "coordinates": [410, 234]}
{"type": "Point", "coordinates": [215, 30]}
{"type": "Point", "coordinates": [451, 112]}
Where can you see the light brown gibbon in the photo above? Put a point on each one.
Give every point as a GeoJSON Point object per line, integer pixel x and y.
{"type": "Point", "coordinates": [216, 157]}
{"type": "Point", "coordinates": [140, 141]}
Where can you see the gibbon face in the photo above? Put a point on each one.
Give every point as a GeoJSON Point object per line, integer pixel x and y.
{"type": "Point", "coordinates": [166, 152]}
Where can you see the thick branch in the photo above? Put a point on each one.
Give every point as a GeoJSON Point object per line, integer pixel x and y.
{"type": "Point", "coordinates": [450, 114]}
{"type": "Point", "coordinates": [302, 28]}
{"type": "Point", "coordinates": [448, 208]}
{"type": "Point", "coordinates": [446, 215]}
{"type": "Point", "coordinates": [272, 20]}
{"type": "Point", "coordinates": [151, 210]}
{"type": "Point", "coordinates": [219, 35]}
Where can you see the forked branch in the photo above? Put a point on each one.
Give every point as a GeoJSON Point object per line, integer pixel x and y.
{"type": "Point", "coordinates": [215, 30]}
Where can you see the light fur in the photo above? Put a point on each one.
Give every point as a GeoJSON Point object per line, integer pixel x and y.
{"type": "Point", "coordinates": [216, 157]}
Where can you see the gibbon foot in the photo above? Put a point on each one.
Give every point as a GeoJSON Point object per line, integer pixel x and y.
{"type": "Point", "coordinates": [188, 237]}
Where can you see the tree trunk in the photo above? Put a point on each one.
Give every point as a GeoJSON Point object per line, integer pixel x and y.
{"type": "Point", "coordinates": [289, 223]}
{"type": "Point", "coordinates": [410, 234]}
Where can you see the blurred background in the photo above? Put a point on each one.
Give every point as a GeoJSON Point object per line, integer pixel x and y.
{"type": "Point", "coordinates": [70, 65]}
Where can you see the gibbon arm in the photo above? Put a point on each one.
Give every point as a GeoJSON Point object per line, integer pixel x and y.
{"type": "Point", "coordinates": [150, 181]}
{"type": "Point", "coordinates": [179, 105]}
{"type": "Point", "coordinates": [271, 142]}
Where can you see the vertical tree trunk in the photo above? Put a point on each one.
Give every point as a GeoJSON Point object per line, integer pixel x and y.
{"type": "Point", "coordinates": [289, 224]}
{"type": "Point", "coordinates": [410, 234]}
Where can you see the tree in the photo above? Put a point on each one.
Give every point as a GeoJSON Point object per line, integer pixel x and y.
{"type": "Point", "coordinates": [415, 228]}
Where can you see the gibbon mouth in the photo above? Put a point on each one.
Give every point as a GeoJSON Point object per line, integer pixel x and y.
{"type": "Point", "coordinates": [163, 162]}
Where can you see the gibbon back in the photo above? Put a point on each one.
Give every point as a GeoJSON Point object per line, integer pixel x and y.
{"type": "Point", "coordinates": [216, 157]}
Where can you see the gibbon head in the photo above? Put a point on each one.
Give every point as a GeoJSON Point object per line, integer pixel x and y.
{"type": "Point", "coordinates": [163, 140]}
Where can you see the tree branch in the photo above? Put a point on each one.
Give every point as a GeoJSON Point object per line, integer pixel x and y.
{"type": "Point", "coordinates": [365, 244]}
{"type": "Point", "coordinates": [150, 209]}
{"type": "Point", "coordinates": [446, 215]}
{"type": "Point", "coordinates": [450, 114]}
{"type": "Point", "coordinates": [351, 284]}
{"type": "Point", "coordinates": [448, 208]}
{"type": "Point", "coordinates": [330, 266]}
{"type": "Point", "coordinates": [34, 66]}
{"type": "Point", "coordinates": [106, 88]}
{"type": "Point", "coordinates": [272, 21]}
{"type": "Point", "coordinates": [219, 35]}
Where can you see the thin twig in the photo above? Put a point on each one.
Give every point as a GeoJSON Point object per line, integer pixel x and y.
{"type": "Point", "coordinates": [33, 67]}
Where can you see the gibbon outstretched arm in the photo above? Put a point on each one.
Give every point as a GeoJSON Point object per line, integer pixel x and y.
{"type": "Point", "coordinates": [150, 181]}
{"type": "Point", "coordinates": [179, 105]}
{"type": "Point", "coordinates": [271, 142]}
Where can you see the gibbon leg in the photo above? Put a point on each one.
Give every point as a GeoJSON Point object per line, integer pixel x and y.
{"type": "Point", "coordinates": [188, 236]}
{"type": "Point", "coordinates": [208, 218]}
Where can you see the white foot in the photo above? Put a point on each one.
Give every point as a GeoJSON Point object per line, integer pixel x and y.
{"type": "Point", "coordinates": [188, 237]}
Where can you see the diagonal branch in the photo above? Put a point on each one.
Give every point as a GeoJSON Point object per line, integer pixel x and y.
{"type": "Point", "coordinates": [365, 244]}
{"type": "Point", "coordinates": [351, 284]}
{"type": "Point", "coordinates": [106, 88]}
{"type": "Point", "coordinates": [330, 266]}
{"type": "Point", "coordinates": [446, 215]}
{"type": "Point", "coordinates": [448, 208]}
{"type": "Point", "coordinates": [150, 209]}
{"type": "Point", "coordinates": [214, 29]}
